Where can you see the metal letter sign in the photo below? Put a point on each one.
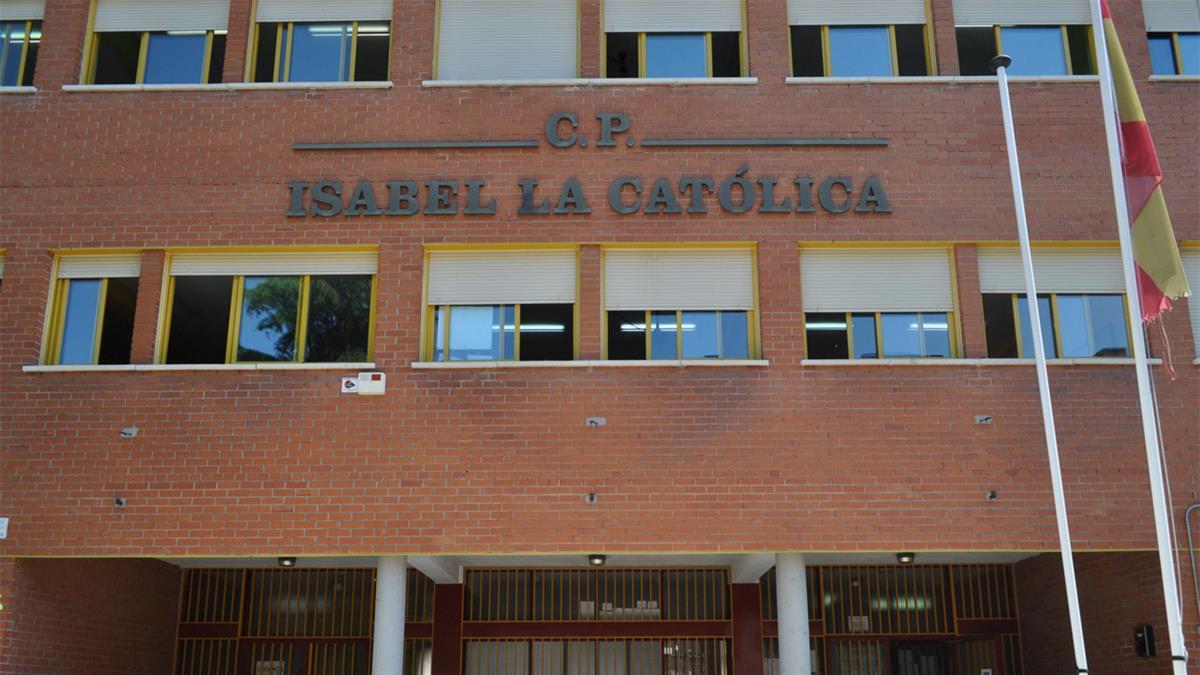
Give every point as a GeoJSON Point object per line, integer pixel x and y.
{"type": "Point", "coordinates": [627, 195]}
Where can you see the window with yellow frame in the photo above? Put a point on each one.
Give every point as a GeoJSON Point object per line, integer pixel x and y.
{"type": "Point", "coordinates": [884, 50]}
{"type": "Point", "coordinates": [1074, 325]}
{"type": "Point", "coordinates": [177, 42]}
{"type": "Point", "coordinates": [320, 51]}
{"type": "Point", "coordinates": [1036, 50]}
{"type": "Point", "coordinates": [674, 55]}
{"type": "Point", "coordinates": [1174, 53]}
{"type": "Point", "coordinates": [91, 310]}
{"type": "Point", "coordinates": [873, 335]}
{"type": "Point", "coordinates": [269, 318]}
{"type": "Point", "coordinates": [19, 43]}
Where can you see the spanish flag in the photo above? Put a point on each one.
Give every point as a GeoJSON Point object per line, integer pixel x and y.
{"type": "Point", "coordinates": [1160, 270]}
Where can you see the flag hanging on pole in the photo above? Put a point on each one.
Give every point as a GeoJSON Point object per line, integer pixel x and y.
{"type": "Point", "coordinates": [1160, 269]}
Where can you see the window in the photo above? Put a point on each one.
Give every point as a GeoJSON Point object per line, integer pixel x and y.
{"type": "Point", "coordinates": [882, 39]}
{"type": "Point", "coordinates": [488, 40]}
{"type": "Point", "coordinates": [1173, 33]}
{"type": "Point", "coordinates": [656, 39]}
{"type": "Point", "coordinates": [300, 307]}
{"type": "Point", "coordinates": [337, 42]}
{"type": "Point", "coordinates": [92, 310]}
{"type": "Point", "coordinates": [143, 42]}
{"type": "Point", "coordinates": [1081, 303]}
{"type": "Point", "coordinates": [501, 305]}
{"type": "Point", "coordinates": [869, 303]}
{"type": "Point", "coordinates": [677, 304]}
{"type": "Point", "coordinates": [1191, 270]}
{"type": "Point", "coordinates": [19, 42]}
{"type": "Point", "coordinates": [1052, 37]}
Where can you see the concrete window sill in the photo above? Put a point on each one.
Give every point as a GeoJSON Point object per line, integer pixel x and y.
{"type": "Point", "coordinates": [162, 367]}
{"type": "Point", "coordinates": [594, 82]}
{"type": "Point", "coordinates": [944, 79]}
{"type": "Point", "coordinates": [1101, 361]}
{"type": "Point", "coordinates": [18, 90]}
{"type": "Point", "coordinates": [1175, 78]}
{"type": "Point", "coordinates": [225, 86]}
{"type": "Point", "coordinates": [505, 365]}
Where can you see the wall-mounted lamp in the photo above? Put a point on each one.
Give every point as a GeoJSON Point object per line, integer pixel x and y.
{"type": "Point", "coordinates": [906, 558]}
{"type": "Point", "coordinates": [596, 559]}
{"type": "Point", "coordinates": [287, 562]}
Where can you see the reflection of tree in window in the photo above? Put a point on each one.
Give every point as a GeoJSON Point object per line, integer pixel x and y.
{"type": "Point", "coordinates": [339, 319]}
{"type": "Point", "coordinates": [268, 330]}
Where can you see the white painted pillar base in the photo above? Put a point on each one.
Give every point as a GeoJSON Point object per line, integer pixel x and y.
{"type": "Point", "coordinates": [791, 592]}
{"type": "Point", "coordinates": [391, 583]}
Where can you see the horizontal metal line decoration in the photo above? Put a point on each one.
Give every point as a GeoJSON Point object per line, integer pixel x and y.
{"type": "Point", "coordinates": [597, 629]}
{"type": "Point", "coordinates": [761, 142]}
{"type": "Point", "coordinates": [416, 145]}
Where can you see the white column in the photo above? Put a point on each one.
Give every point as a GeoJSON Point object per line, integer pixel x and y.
{"type": "Point", "coordinates": [791, 592]}
{"type": "Point", "coordinates": [387, 652]}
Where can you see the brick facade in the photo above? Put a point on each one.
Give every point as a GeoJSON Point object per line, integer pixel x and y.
{"type": "Point", "coordinates": [782, 457]}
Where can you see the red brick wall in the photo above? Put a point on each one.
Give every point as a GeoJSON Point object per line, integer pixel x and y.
{"type": "Point", "coordinates": [87, 617]}
{"type": "Point", "coordinates": [782, 457]}
{"type": "Point", "coordinates": [1117, 593]}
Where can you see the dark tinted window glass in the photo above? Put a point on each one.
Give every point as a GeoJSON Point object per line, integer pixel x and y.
{"type": "Point", "coordinates": [216, 60]}
{"type": "Point", "coordinates": [339, 319]}
{"type": "Point", "coordinates": [700, 335]}
{"type": "Point", "coordinates": [676, 55]}
{"type": "Point", "coordinates": [999, 325]}
{"type": "Point", "coordinates": [35, 41]}
{"type": "Point", "coordinates": [1162, 54]}
{"type": "Point", "coordinates": [320, 52]}
{"type": "Point", "coordinates": [371, 52]}
{"type": "Point", "coordinates": [1189, 53]}
{"type": "Point", "coordinates": [626, 335]}
{"type": "Point", "coordinates": [735, 335]}
{"type": "Point", "coordinates": [935, 335]}
{"type": "Point", "coordinates": [863, 328]}
{"type": "Point", "coordinates": [1106, 314]}
{"type": "Point", "coordinates": [663, 330]}
{"type": "Point", "coordinates": [12, 45]}
{"type": "Point", "coordinates": [175, 58]}
{"type": "Point", "coordinates": [910, 50]}
{"type": "Point", "coordinates": [622, 55]}
{"type": "Point", "coordinates": [1079, 42]}
{"type": "Point", "coordinates": [827, 336]}
{"type": "Point", "coordinates": [264, 58]}
{"type": "Point", "coordinates": [116, 337]}
{"type": "Point", "coordinates": [199, 320]}
{"type": "Point", "coordinates": [807, 56]}
{"type": "Point", "coordinates": [1035, 50]}
{"type": "Point", "coordinates": [726, 55]}
{"type": "Point", "coordinates": [976, 47]}
{"type": "Point", "coordinates": [860, 51]}
{"type": "Point", "coordinates": [117, 57]}
{"type": "Point", "coordinates": [901, 335]}
{"type": "Point", "coordinates": [547, 332]}
{"type": "Point", "coordinates": [79, 321]}
{"type": "Point", "coordinates": [267, 328]}
{"type": "Point", "coordinates": [1045, 311]}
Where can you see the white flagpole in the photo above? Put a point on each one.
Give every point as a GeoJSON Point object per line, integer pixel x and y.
{"type": "Point", "coordinates": [1000, 65]}
{"type": "Point", "coordinates": [1162, 517]}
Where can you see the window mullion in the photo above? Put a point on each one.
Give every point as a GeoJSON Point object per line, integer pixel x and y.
{"type": "Point", "coordinates": [516, 355]}
{"type": "Point", "coordinates": [879, 335]}
{"type": "Point", "coordinates": [1177, 51]}
{"type": "Point", "coordinates": [1054, 325]}
{"type": "Point", "coordinates": [353, 50]}
{"type": "Point", "coordinates": [849, 335]}
{"type": "Point", "coordinates": [371, 319]}
{"type": "Point", "coordinates": [143, 49]}
{"type": "Point", "coordinates": [206, 62]}
{"type": "Point", "coordinates": [235, 318]}
{"type": "Point", "coordinates": [24, 53]}
{"type": "Point", "coordinates": [892, 48]}
{"type": "Point", "coordinates": [283, 51]}
{"type": "Point", "coordinates": [1087, 322]}
{"type": "Point", "coordinates": [57, 319]}
{"type": "Point", "coordinates": [646, 325]}
{"type": "Point", "coordinates": [446, 334]}
{"type": "Point", "coordinates": [642, 66]}
{"type": "Point", "coordinates": [1066, 44]}
{"type": "Point", "coordinates": [708, 61]}
{"type": "Point", "coordinates": [302, 319]}
{"type": "Point", "coordinates": [826, 65]}
{"type": "Point", "coordinates": [921, 334]}
{"type": "Point", "coordinates": [168, 308]}
{"type": "Point", "coordinates": [98, 329]}
{"type": "Point", "coordinates": [1016, 313]}
{"type": "Point", "coordinates": [679, 334]}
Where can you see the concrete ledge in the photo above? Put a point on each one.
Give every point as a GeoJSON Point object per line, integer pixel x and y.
{"type": "Point", "coordinates": [1175, 78]}
{"type": "Point", "coordinates": [18, 90]}
{"type": "Point", "coordinates": [593, 82]}
{"type": "Point", "coordinates": [224, 86]}
{"type": "Point", "coordinates": [1098, 361]}
{"type": "Point", "coordinates": [163, 367]}
{"type": "Point", "coordinates": [943, 79]}
{"type": "Point", "coordinates": [676, 363]}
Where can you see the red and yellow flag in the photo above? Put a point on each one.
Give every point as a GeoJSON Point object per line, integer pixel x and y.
{"type": "Point", "coordinates": [1160, 270]}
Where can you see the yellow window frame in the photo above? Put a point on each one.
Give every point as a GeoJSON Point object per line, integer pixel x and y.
{"type": "Point", "coordinates": [827, 65]}
{"type": "Point", "coordinates": [752, 344]}
{"type": "Point", "coordinates": [1066, 42]}
{"type": "Point", "coordinates": [282, 70]}
{"type": "Point", "coordinates": [743, 65]}
{"type": "Point", "coordinates": [24, 50]}
{"type": "Point", "coordinates": [952, 328]}
{"type": "Point", "coordinates": [1177, 50]}
{"type": "Point", "coordinates": [93, 51]}
{"type": "Point", "coordinates": [237, 296]}
{"type": "Point", "coordinates": [1056, 326]}
{"type": "Point", "coordinates": [429, 341]}
{"type": "Point", "coordinates": [52, 353]}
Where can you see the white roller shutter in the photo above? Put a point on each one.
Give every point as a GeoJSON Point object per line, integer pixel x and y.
{"type": "Point", "coordinates": [855, 12]}
{"type": "Point", "coordinates": [490, 40]}
{"type": "Point", "coordinates": [159, 15]}
{"type": "Point", "coordinates": [323, 10]}
{"type": "Point", "coordinates": [1191, 268]}
{"type": "Point", "coordinates": [25, 10]}
{"type": "Point", "coordinates": [667, 279]}
{"type": "Point", "coordinates": [672, 16]}
{"type": "Point", "coordinates": [100, 266]}
{"type": "Point", "coordinates": [501, 277]}
{"type": "Point", "coordinates": [876, 280]}
{"type": "Point", "coordinates": [1171, 15]}
{"type": "Point", "coordinates": [1026, 12]}
{"type": "Point", "coordinates": [1056, 270]}
{"type": "Point", "coordinates": [265, 264]}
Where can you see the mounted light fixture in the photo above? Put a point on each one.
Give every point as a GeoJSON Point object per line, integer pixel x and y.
{"type": "Point", "coordinates": [596, 559]}
{"type": "Point", "coordinates": [287, 562]}
{"type": "Point", "coordinates": [906, 558]}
